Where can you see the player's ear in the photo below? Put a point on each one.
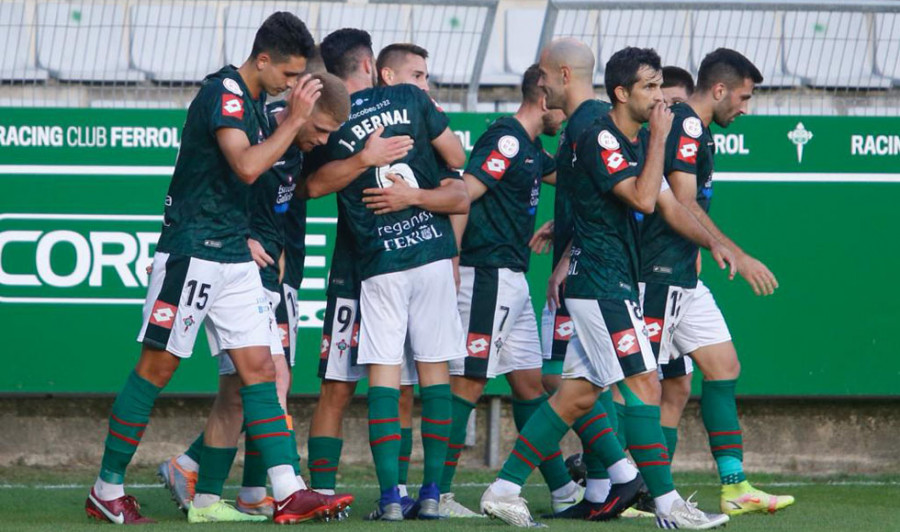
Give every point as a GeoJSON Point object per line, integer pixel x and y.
{"type": "Point", "coordinates": [262, 60]}
{"type": "Point", "coordinates": [621, 94]}
{"type": "Point", "coordinates": [543, 102]}
{"type": "Point", "coordinates": [386, 76]}
{"type": "Point", "coordinates": [719, 91]}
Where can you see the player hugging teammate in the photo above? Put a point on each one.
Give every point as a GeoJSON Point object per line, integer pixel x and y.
{"type": "Point", "coordinates": [428, 287]}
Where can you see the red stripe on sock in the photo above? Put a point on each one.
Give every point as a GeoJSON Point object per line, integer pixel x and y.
{"type": "Point", "coordinates": [252, 453]}
{"type": "Point", "coordinates": [648, 446]}
{"type": "Point", "coordinates": [270, 435]}
{"type": "Point", "coordinates": [385, 420]}
{"type": "Point", "coordinates": [724, 433]}
{"type": "Point", "coordinates": [260, 421]}
{"type": "Point", "coordinates": [437, 421]}
{"type": "Point", "coordinates": [451, 464]}
{"type": "Point", "coordinates": [645, 464]}
{"type": "Point", "coordinates": [389, 437]}
{"type": "Point", "coordinates": [127, 424]}
{"type": "Point", "coordinates": [599, 435]}
{"type": "Point", "coordinates": [435, 437]}
{"type": "Point", "coordinates": [552, 456]}
{"type": "Point", "coordinates": [404, 459]}
{"type": "Point", "coordinates": [321, 461]}
{"type": "Point", "coordinates": [522, 458]}
{"type": "Point", "coordinates": [588, 422]}
{"type": "Point", "coordinates": [532, 447]}
{"type": "Point", "coordinates": [721, 447]}
{"type": "Point", "coordinates": [323, 469]}
{"type": "Point", "coordinates": [124, 438]}
{"type": "Point", "coordinates": [457, 446]}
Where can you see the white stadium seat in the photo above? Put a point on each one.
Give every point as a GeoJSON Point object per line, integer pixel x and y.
{"type": "Point", "coordinates": [242, 19]}
{"type": "Point", "coordinates": [494, 73]}
{"type": "Point", "coordinates": [451, 34]}
{"type": "Point", "coordinates": [581, 25]}
{"type": "Point", "coordinates": [841, 36]}
{"type": "Point", "coordinates": [523, 30]}
{"type": "Point", "coordinates": [386, 23]}
{"type": "Point", "coordinates": [15, 45]}
{"type": "Point", "coordinates": [755, 34]}
{"type": "Point", "coordinates": [84, 42]}
{"type": "Point", "coordinates": [887, 45]}
{"type": "Point", "coordinates": [664, 31]}
{"type": "Point", "coordinates": [175, 42]}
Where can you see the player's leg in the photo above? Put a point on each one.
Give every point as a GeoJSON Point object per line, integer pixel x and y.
{"type": "Point", "coordinates": [409, 378]}
{"type": "Point", "coordinates": [676, 391]}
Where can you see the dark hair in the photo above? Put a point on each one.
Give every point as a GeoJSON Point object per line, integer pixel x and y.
{"type": "Point", "coordinates": [343, 50]}
{"type": "Point", "coordinates": [622, 68]}
{"type": "Point", "coordinates": [531, 93]}
{"type": "Point", "coordinates": [392, 53]}
{"type": "Point", "coordinates": [674, 76]}
{"type": "Point", "coordinates": [727, 66]}
{"type": "Point", "coordinates": [283, 35]}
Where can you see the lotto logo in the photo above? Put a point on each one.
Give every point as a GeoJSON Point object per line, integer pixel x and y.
{"type": "Point", "coordinates": [687, 150]}
{"type": "Point", "coordinates": [285, 337]}
{"type": "Point", "coordinates": [614, 160]}
{"type": "Point", "coordinates": [654, 328]}
{"type": "Point", "coordinates": [326, 345]}
{"type": "Point", "coordinates": [354, 338]}
{"type": "Point", "coordinates": [626, 343]}
{"type": "Point", "coordinates": [563, 329]}
{"type": "Point", "coordinates": [495, 165]}
{"type": "Point", "coordinates": [478, 345]}
{"type": "Point", "coordinates": [232, 106]}
{"type": "Point", "coordinates": [162, 314]}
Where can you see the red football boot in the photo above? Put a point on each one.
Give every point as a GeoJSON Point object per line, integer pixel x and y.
{"type": "Point", "coordinates": [122, 511]}
{"type": "Point", "coordinates": [304, 505]}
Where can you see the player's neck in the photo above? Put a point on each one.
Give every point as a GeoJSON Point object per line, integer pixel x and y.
{"type": "Point", "coordinates": [702, 106]}
{"type": "Point", "coordinates": [250, 77]}
{"type": "Point", "coordinates": [577, 96]}
{"type": "Point", "coordinates": [358, 82]}
{"type": "Point", "coordinates": [624, 122]}
{"type": "Point", "coordinates": [531, 119]}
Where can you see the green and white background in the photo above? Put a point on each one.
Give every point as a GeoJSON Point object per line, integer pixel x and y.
{"type": "Point", "coordinates": [815, 198]}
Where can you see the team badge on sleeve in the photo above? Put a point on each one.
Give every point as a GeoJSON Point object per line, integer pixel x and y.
{"type": "Point", "coordinates": [508, 146]}
{"type": "Point", "coordinates": [607, 140]}
{"type": "Point", "coordinates": [495, 165]}
{"type": "Point", "coordinates": [614, 160]}
{"type": "Point", "coordinates": [232, 86]}
{"type": "Point", "coordinates": [692, 126]}
{"type": "Point", "coordinates": [687, 150]}
{"type": "Point", "coordinates": [232, 106]}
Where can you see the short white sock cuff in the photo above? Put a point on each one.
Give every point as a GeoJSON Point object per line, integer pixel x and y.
{"type": "Point", "coordinates": [597, 489]}
{"type": "Point", "coordinates": [622, 471]}
{"type": "Point", "coordinates": [505, 488]}
{"type": "Point", "coordinates": [284, 481]}
{"type": "Point", "coordinates": [664, 502]}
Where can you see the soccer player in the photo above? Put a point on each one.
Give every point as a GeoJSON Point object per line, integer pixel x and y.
{"type": "Point", "coordinates": [407, 295]}
{"type": "Point", "coordinates": [677, 85]}
{"type": "Point", "coordinates": [620, 167]}
{"type": "Point", "coordinates": [202, 268]}
{"type": "Point", "coordinates": [678, 306]}
{"type": "Point", "coordinates": [503, 178]}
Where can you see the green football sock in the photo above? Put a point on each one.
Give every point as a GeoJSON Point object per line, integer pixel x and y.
{"type": "Point", "coordinates": [295, 453]}
{"type": "Point", "coordinates": [127, 421]}
{"type": "Point", "coordinates": [536, 441]}
{"type": "Point", "coordinates": [215, 464]}
{"type": "Point", "coordinates": [647, 445]}
{"type": "Point", "coordinates": [598, 439]}
{"type": "Point", "coordinates": [620, 421]}
{"type": "Point", "coordinates": [324, 457]}
{"type": "Point", "coordinates": [719, 411]}
{"type": "Point", "coordinates": [671, 435]}
{"type": "Point", "coordinates": [405, 453]}
{"type": "Point", "coordinates": [384, 434]}
{"type": "Point", "coordinates": [592, 462]}
{"type": "Point", "coordinates": [266, 423]}
{"type": "Point", "coordinates": [196, 447]}
{"type": "Point", "coordinates": [255, 474]}
{"type": "Point", "coordinates": [553, 468]}
{"type": "Point", "coordinates": [437, 420]}
{"type": "Point", "coordinates": [460, 410]}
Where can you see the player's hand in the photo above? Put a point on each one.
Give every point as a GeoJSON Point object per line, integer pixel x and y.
{"type": "Point", "coordinates": [761, 280]}
{"type": "Point", "coordinates": [542, 240]}
{"type": "Point", "coordinates": [661, 120]}
{"type": "Point", "coordinates": [555, 286]}
{"type": "Point", "coordinates": [722, 255]}
{"type": "Point", "coordinates": [303, 97]}
{"type": "Point", "coordinates": [394, 198]}
{"type": "Point", "coordinates": [259, 255]}
{"type": "Point", "coordinates": [381, 151]}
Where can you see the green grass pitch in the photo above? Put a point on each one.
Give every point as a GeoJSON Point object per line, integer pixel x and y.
{"type": "Point", "coordinates": [46, 500]}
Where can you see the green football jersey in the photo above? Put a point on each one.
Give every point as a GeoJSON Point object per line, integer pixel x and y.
{"type": "Point", "coordinates": [294, 242]}
{"type": "Point", "coordinates": [343, 279]}
{"type": "Point", "coordinates": [605, 255]}
{"type": "Point", "coordinates": [666, 256]}
{"type": "Point", "coordinates": [206, 214]}
{"type": "Point", "coordinates": [501, 222]}
{"type": "Point", "coordinates": [563, 225]}
{"type": "Point", "coordinates": [412, 237]}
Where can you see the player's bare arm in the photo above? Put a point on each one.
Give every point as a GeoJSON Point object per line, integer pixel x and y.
{"type": "Point", "coordinates": [557, 278]}
{"type": "Point", "coordinates": [542, 240]}
{"type": "Point", "coordinates": [450, 149]}
{"type": "Point", "coordinates": [686, 224]}
{"type": "Point", "coordinates": [550, 179]}
{"type": "Point", "coordinates": [641, 192]}
{"type": "Point", "coordinates": [249, 162]}
{"type": "Point", "coordinates": [450, 198]}
{"type": "Point", "coordinates": [259, 255]}
{"type": "Point", "coordinates": [379, 151]}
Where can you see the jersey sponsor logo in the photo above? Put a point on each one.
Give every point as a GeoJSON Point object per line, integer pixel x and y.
{"type": "Point", "coordinates": [626, 343]}
{"type": "Point", "coordinates": [654, 328]}
{"type": "Point", "coordinates": [233, 86]}
{"type": "Point", "coordinates": [495, 165]}
{"type": "Point", "coordinates": [162, 314]}
{"type": "Point", "coordinates": [614, 160]}
{"type": "Point", "coordinates": [687, 150]}
{"type": "Point", "coordinates": [324, 346]}
{"type": "Point", "coordinates": [508, 145]}
{"type": "Point", "coordinates": [478, 345]}
{"type": "Point", "coordinates": [563, 328]}
{"type": "Point", "coordinates": [692, 126]}
{"type": "Point", "coordinates": [607, 140]}
{"type": "Point", "coordinates": [232, 106]}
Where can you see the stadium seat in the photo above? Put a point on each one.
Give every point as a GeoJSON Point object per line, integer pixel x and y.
{"type": "Point", "coordinates": [523, 30]}
{"type": "Point", "coordinates": [451, 34]}
{"type": "Point", "coordinates": [386, 23]}
{"type": "Point", "coordinates": [887, 46]}
{"type": "Point", "coordinates": [15, 46]}
{"type": "Point", "coordinates": [664, 31]}
{"type": "Point", "coordinates": [242, 19]}
{"type": "Point", "coordinates": [84, 42]}
{"type": "Point", "coordinates": [830, 49]}
{"type": "Point", "coordinates": [581, 25]}
{"type": "Point", "coordinates": [494, 73]}
{"type": "Point", "coordinates": [175, 42]}
{"type": "Point", "coordinates": [753, 33]}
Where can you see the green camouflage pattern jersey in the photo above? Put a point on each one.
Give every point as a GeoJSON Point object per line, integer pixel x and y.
{"type": "Point", "coordinates": [666, 256]}
{"type": "Point", "coordinates": [563, 226]}
{"type": "Point", "coordinates": [412, 237]}
{"type": "Point", "coordinates": [501, 222]}
{"type": "Point", "coordinates": [207, 206]}
{"type": "Point", "coordinates": [605, 256]}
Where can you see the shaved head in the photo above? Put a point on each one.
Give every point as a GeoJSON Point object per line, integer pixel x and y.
{"type": "Point", "coordinates": [573, 54]}
{"type": "Point", "coordinates": [567, 73]}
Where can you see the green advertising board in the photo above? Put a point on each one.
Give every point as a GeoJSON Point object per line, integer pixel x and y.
{"type": "Point", "coordinates": [813, 197]}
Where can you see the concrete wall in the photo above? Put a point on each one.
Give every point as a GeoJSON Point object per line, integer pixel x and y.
{"type": "Point", "coordinates": [806, 436]}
